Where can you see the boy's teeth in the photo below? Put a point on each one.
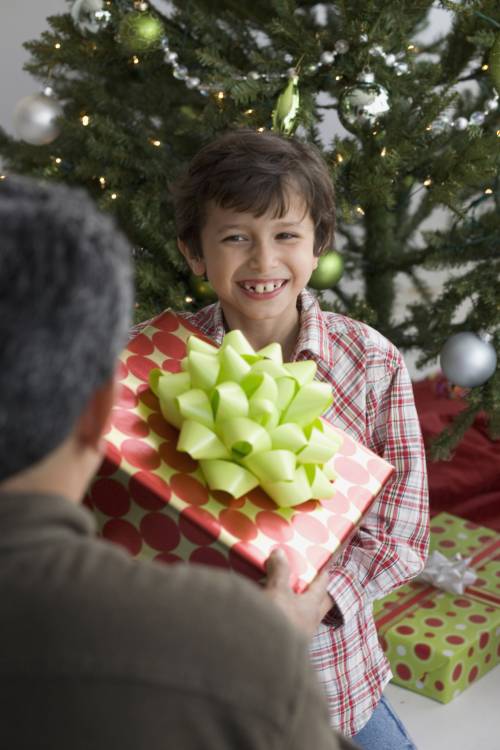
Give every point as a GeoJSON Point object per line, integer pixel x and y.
{"type": "Point", "coordinates": [262, 288]}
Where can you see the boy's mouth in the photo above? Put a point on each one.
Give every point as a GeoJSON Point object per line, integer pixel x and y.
{"type": "Point", "coordinates": [262, 287]}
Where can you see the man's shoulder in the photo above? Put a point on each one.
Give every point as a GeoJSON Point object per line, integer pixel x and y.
{"type": "Point", "coordinates": [184, 628]}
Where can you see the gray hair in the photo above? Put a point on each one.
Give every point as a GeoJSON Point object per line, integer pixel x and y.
{"type": "Point", "coordinates": [65, 301]}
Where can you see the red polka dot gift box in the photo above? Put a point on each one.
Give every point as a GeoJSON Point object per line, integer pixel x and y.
{"type": "Point", "coordinates": [153, 499]}
{"type": "Point", "coordinates": [439, 642]}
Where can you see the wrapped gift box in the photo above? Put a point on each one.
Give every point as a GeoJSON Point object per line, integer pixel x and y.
{"type": "Point", "coordinates": [153, 500]}
{"type": "Point", "coordinates": [439, 643]}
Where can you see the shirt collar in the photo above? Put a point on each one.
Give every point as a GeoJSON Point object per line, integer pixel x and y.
{"type": "Point", "coordinates": [313, 335]}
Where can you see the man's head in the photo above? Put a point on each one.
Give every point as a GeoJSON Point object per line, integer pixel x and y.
{"type": "Point", "coordinates": [65, 301]}
{"type": "Point", "coordinates": [254, 172]}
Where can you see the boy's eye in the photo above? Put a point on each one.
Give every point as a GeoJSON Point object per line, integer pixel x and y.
{"type": "Point", "coordinates": [287, 236]}
{"type": "Point", "coordinates": [234, 238]}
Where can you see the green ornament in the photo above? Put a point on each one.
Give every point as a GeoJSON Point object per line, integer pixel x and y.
{"type": "Point", "coordinates": [140, 32]}
{"type": "Point", "coordinates": [202, 289]}
{"type": "Point", "coordinates": [494, 63]}
{"type": "Point", "coordinates": [287, 106]}
{"type": "Point", "coordinates": [329, 271]}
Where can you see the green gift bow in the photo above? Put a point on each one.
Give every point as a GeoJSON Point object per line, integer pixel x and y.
{"type": "Point", "coordinates": [250, 419]}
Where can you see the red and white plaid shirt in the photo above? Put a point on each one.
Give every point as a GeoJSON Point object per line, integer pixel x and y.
{"type": "Point", "coordinates": [372, 402]}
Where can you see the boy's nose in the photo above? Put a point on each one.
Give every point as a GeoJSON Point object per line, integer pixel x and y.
{"type": "Point", "coordinates": [263, 257]}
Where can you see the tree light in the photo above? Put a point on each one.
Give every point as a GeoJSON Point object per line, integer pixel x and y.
{"type": "Point", "coordinates": [188, 299]}
{"type": "Point", "coordinates": [135, 60]}
{"type": "Point", "coordinates": [85, 120]}
{"type": "Point", "coordinates": [57, 45]}
{"type": "Point", "coordinates": [114, 196]}
{"type": "Point", "coordinates": [428, 182]}
{"type": "Point", "coordinates": [488, 191]}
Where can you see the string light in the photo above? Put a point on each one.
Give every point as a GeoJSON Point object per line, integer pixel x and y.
{"type": "Point", "coordinates": [249, 112]}
{"type": "Point", "coordinates": [114, 196]}
{"type": "Point", "coordinates": [485, 66]}
{"type": "Point", "coordinates": [488, 191]}
{"type": "Point", "coordinates": [260, 130]}
{"type": "Point", "coordinates": [220, 95]}
{"type": "Point", "coordinates": [360, 211]}
{"type": "Point", "coordinates": [155, 142]}
{"type": "Point", "coordinates": [135, 60]}
{"type": "Point", "coordinates": [428, 182]}
{"type": "Point", "coordinates": [2, 177]}
{"type": "Point", "coordinates": [498, 133]}
{"type": "Point", "coordinates": [85, 120]}
{"type": "Point", "coordinates": [188, 299]}
{"type": "Point", "coordinates": [102, 181]}
{"type": "Point", "coordinates": [339, 158]}
{"type": "Point", "coordinates": [383, 152]}
{"type": "Point", "coordinates": [57, 45]}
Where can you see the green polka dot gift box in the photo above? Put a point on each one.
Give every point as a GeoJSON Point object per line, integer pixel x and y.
{"type": "Point", "coordinates": [438, 642]}
{"type": "Point", "coordinates": [167, 490]}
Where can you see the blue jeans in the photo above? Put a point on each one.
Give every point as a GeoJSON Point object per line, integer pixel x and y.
{"type": "Point", "coordinates": [384, 731]}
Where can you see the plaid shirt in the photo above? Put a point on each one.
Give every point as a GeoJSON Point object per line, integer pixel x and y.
{"type": "Point", "coordinates": [372, 402]}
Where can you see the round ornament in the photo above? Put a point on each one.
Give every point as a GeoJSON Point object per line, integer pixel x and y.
{"type": "Point", "coordinates": [140, 32]}
{"type": "Point", "coordinates": [202, 289]}
{"type": "Point", "coordinates": [494, 63]}
{"type": "Point", "coordinates": [468, 360]}
{"type": "Point", "coordinates": [89, 17]}
{"type": "Point", "coordinates": [329, 271]}
{"type": "Point", "coordinates": [361, 105]}
{"type": "Point", "coordinates": [35, 119]}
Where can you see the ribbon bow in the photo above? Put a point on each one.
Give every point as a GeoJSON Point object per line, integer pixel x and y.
{"type": "Point", "coordinates": [449, 574]}
{"type": "Point", "coordinates": [250, 419]}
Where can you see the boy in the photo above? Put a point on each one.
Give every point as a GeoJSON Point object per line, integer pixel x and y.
{"type": "Point", "coordinates": [97, 650]}
{"type": "Point", "coordinates": [254, 212]}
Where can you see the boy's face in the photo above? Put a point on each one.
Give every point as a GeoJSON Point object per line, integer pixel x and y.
{"type": "Point", "coordinates": [257, 265]}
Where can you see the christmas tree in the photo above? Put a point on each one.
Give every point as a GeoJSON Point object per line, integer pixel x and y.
{"type": "Point", "coordinates": [129, 92]}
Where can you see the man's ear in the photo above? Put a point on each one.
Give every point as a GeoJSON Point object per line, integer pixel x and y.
{"type": "Point", "coordinates": [197, 265]}
{"type": "Point", "coordinates": [93, 420]}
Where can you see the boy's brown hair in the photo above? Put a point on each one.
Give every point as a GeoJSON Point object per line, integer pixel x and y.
{"type": "Point", "coordinates": [251, 171]}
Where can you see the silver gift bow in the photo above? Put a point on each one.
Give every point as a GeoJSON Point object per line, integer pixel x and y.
{"type": "Point", "coordinates": [450, 574]}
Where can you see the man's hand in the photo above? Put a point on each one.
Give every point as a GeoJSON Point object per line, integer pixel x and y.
{"type": "Point", "coordinates": [304, 610]}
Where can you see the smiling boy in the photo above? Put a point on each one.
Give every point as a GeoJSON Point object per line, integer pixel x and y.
{"type": "Point", "coordinates": [254, 213]}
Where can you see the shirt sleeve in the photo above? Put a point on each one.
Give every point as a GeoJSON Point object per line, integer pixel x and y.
{"type": "Point", "coordinates": [391, 544]}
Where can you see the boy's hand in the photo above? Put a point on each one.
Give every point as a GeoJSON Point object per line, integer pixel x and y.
{"type": "Point", "coordinates": [304, 610]}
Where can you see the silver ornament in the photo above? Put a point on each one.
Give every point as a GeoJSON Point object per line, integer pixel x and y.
{"type": "Point", "coordinates": [35, 119]}
{"type": "Point", "coordinates": [89, 17]}
{"type": "Point", "coordinates": [468, 360]}
{"type": "Point", "coordinates": [362, 104]}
